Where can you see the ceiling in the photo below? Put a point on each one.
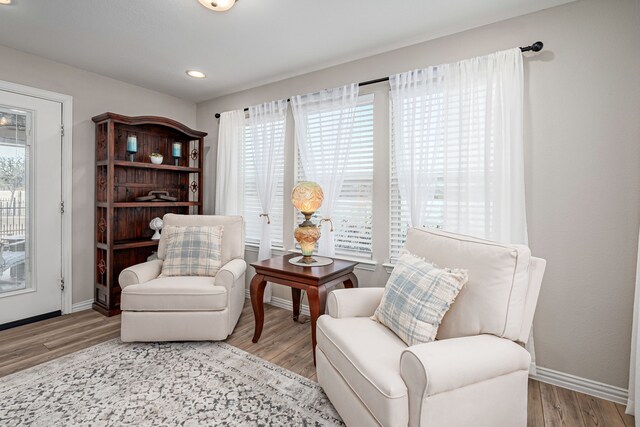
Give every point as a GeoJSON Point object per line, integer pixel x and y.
{"type": "Point", "coordinates": [151, 43]}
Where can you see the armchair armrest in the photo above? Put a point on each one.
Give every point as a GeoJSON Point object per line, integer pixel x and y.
{"type": "Point", "coordinates": [140, 273]}
{"type": "Point", "coordinates": [445, 365]}
{"type": "Point", "coordinates": [354, 302]}
{"type": "Point", "coordinates": [230, 273]}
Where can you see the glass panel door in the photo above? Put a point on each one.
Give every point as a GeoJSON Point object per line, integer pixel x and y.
{"type": "Point", "coordinates": [15, 144]}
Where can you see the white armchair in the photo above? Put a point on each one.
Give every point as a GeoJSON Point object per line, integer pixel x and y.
{"type": "Point", "coordinates": [185, 308]}
{"type": "Point", "coordinates": [475, 373]}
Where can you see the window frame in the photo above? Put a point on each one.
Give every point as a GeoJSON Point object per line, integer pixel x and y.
{"type": "Point", "coordinates": [277, 229]}
{"type": "Point", "coordinates": [397, 234]}
{"type": "Point", "coordinates": [366, 257]}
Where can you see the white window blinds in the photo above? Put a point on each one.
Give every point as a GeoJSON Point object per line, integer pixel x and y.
{"type": "Point", "coordinates": [399, 210]}
{"type": "Point", "coordinates": [252, 206]}
{"type": "Point", "coordinates": [352, 216]}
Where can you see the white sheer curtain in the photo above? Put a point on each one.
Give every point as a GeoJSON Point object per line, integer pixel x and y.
{"type": "Point", "coordinates": [458, 147]}
{"type": "Point", "coordinates": [266, 126]}
{"type": "Point", "coordinates": [633, 401]}
{"type": "Point", "coordinates": [324, 156]}
{"type": "Point", "coordinates": [229, 177]}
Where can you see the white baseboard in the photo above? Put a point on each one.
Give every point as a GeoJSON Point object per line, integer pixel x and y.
{"type": "Point", "coordinates": [82, 305]}
{"type": "Point", "coordinates": [288, 305]}
{"type": "Point", "coordinates": [545, 375]}
{"type": "Point", "coordinates": [582, 385]}
{"type": "Point", "coordinates": [283, 303]}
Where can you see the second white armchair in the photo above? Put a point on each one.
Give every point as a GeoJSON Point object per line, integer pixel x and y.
{"type": "Point", "coordinates": [474, 374]}
{"type": "Point", "coordinates": [186, 308]}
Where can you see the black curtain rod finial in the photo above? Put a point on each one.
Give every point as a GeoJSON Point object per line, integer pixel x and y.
{"type": "Point", "coordinates": [536, 47]}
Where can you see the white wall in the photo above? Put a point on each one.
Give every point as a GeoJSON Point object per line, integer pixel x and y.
{"type": "Point", "coordinates": [93, 94]}
{"type": "Point", "coordinates": [582, 136]}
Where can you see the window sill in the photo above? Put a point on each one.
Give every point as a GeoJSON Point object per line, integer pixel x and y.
{"type": "Point", "coordinates": [254, 248]}
{"type": "Point", "coordinates": [363, 264]}
{"type": "Point", "coordinates": [388, 267]}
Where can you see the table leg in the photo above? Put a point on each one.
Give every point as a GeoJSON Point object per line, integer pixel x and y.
{"type": "Point", "coordinates": [317, 296]}
{"type": "Point", "coordinates": [295, 298]}
{"type": "Point", "coordinates": [257, 302]}
{"type": "Point", "coordinates": [351, 282]}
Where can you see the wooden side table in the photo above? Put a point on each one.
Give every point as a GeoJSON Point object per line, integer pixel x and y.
{"type": "Point", "coordinates": [314, 280]}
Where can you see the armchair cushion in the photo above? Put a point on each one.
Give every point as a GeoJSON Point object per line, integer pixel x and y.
{"type": "Point", "coordinates": [232, 242]}
{"type": "Point", "coordinates": [367, 354]}
{"type": "Point", "coordinates": [416, 298]}
{"type": "Point", "coordinates": [192, 250]}
{"type": "Point", "coordinates": [178, 293]}
{"type": "Point", "coordinates": [140, 273]}
{"type": "Point", "coordinates": [493, 300]}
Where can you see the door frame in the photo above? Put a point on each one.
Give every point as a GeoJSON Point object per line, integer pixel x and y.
{"type": "Point", "coordinates": [67, 184]}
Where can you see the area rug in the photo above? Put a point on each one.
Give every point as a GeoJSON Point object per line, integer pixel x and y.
{"type": "Point", "coordinates": [162, 384]}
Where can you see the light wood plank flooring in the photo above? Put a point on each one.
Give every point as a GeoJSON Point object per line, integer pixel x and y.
{"type": "Point", "coordinates": [283, 342]}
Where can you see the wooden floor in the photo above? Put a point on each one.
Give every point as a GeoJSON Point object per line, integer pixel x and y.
{"type": "Point", "coordinates": [283, 342]}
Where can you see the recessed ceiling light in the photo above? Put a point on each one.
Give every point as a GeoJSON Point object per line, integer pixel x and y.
{"type": "Point", "coordinates": [196, 74]}
{"type": "Point", "coordinates": [218, 5]}
{"type": "Point", "coordinates": [5, 1]}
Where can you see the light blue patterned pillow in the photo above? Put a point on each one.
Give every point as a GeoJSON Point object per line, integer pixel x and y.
{"type": "Point", "coordinates": [192, 250]}
{"type": "Point", "coordinates": [416, 298]}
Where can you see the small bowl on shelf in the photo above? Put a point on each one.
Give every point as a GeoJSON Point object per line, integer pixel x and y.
{"type": "Point", "coordinates": [156, 158]}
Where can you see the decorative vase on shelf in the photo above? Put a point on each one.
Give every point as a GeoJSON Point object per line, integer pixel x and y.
{"type": "Point", "coordinates": [176, 152]}
{"type": "Point", "coordinates": [156, 225]}
{"type": "Point", "coordinates": [156, 158]}
{"type": "Point", "coordinates": [132, 146]}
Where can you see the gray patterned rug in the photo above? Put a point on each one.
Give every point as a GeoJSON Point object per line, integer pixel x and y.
{"type": "Point", "coordinates": [166, 384]}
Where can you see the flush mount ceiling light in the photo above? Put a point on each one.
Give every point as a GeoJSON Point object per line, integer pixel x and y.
{"type": "Point", "coordinates": [5, 1]}
{"type": "Point", "coordinates": [217, 5]}
{"type": "Point", "coordinates": [196, 74]}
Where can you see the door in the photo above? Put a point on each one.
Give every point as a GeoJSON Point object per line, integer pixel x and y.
{"type": "Point", "coordinates": [30, 207]}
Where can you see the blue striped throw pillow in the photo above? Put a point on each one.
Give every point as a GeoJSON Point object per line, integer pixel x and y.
{"type": "Point", "coordinates": [416, 298]}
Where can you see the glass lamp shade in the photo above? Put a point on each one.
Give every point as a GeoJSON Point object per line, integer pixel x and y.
{"type": "Point", "coordinates": [307, 197]}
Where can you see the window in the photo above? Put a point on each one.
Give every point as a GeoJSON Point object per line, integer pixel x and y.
{"type": "Point", "coordinates": [457, 151]}
{"type": "Point", "coordinates": [399, 211]}
{"type": "Point", "coordinates": [252, 208]}
{"type": "Point", "coordinates": [353, 214]}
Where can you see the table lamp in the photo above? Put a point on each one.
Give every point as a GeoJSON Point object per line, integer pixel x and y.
{"type": "Point", "coordinates": [307, 198]}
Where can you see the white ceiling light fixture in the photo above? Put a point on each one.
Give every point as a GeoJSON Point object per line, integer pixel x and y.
{"type": "Point", "coordinates": [218, 5]}
{"type": "Point", "coordinates": [196, 74]}
{"type": "Point", "coordinates": [5, 1]}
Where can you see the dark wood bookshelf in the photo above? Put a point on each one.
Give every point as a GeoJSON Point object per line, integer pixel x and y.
{"type": "Point", "coordinates": [123, 236]}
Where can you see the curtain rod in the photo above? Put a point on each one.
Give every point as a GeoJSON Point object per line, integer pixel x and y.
{"type": "Point", "coordinates": [535, 47]}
